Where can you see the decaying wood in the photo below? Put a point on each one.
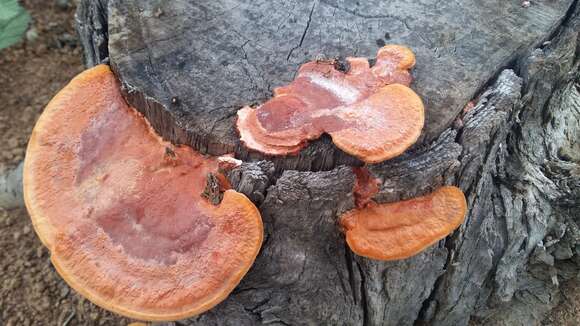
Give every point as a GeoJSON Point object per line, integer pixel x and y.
{"type": "Point", "coordinates": [190, 65]}
{"type": "Point", "coordinates": [514, 153]}
{"type": "Point", "coordinates": [91, 23]}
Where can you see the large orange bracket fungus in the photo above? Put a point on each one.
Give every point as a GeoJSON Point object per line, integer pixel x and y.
{"type": "Point", "coordinates": [370, 112]}
{"type": "Point", "coordinates": [121, 213]}
{"type": "Point", "coordinates": [403, 229]}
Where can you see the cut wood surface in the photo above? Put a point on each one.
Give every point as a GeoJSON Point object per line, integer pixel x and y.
{"type": "Point", "coordinates": [500, 87]}
{"type": "Point", "coordinates": [190, 65]}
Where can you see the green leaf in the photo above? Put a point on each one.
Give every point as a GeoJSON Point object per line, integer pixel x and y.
{"type": "Point", "coordinates": [13, 22]}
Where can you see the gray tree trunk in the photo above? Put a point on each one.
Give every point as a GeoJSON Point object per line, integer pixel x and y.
{"type": "Point", "coordinates": [189, 65]}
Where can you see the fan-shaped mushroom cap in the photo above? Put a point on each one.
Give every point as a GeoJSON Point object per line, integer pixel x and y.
{"type": "Point", "coordinates": [370, 113]}
{"type": "Point", "coordinates": [120, 209]}
{"type": "Point", "coordinates": [403, 229]}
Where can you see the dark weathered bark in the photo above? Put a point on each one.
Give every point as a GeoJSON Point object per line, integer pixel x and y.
{"type": "Point", "coordinates": [514, 153]}
{"type": "Point", "coordinates": [92, 27]}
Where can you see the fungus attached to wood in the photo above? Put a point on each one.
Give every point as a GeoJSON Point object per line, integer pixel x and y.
{"type": "Point", "coordinates": [366, 186]}
{"type": "Point", "coordinates": [121, 212]}
{"type": "Point", "coordinates": [403, 229]}
{"type": "Point", "coordinates": [370, 112]}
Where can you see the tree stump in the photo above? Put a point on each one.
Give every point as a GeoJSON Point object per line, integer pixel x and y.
{"type": "Point", "coordinates": [500, 86]}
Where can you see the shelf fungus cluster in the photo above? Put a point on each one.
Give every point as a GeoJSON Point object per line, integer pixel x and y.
{"type": "Point", "coordinates": [152, 231]}
{"type": "Point", "coordinates": [370, 112]}
{"type": "Point", "coordinates": [121, 213]}
{"type": "Point", "coordinates": [402, 229]}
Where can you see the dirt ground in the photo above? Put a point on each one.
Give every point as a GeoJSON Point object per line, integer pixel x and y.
{"type": "Point", "coordinates": [31, 73]}
{"type": "Point", "coordinates": [31, 292]}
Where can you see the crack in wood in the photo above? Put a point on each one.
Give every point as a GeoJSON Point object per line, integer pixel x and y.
{"type": "Point", "coordinates": [304, 32]}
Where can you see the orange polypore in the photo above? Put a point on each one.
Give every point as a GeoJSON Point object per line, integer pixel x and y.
{"type": "Point", "coordinates": [365, 186]}
{"type": "Point", "coordinates": [370, 112]}
{"type": "Point", "coordinates": [120, 209]}
{"type": "Point", "coordinates": [403, 229]}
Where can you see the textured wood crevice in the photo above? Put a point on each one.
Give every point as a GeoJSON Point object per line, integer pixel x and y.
{"type": "Point", "coordinates": [252, 179]}
{"type": "Point", "coordinates": [514, 204]}
{"type": "Point", "coordinates": [513, 154]}
{"type": "Point", "coordinates": [92, 28]}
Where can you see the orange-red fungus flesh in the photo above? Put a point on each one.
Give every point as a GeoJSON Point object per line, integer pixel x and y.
{"type": "Point", "coordinates": [403, 229]}
{"type": "Point", "coordinates": [365, 186]}
{"type": "Point", "coordinates": [121, 212]}
{"type": "Point", "coordinates": [370, 112]}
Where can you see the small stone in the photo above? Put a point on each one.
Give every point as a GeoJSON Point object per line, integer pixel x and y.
{"type": "Point", "coordinates": [62, 4]}
{"type": "Point", "coordinates": [67, 39]}
{"type": "Point", "coordinates": [17, 151]}
{"type": "Point", "coordinates": [526, 4]}
{"type": "Point", "coordinates": [64, 291]}
{"type": "Point", "coordinates": [31, 35]}
{"type": "Point", "coordinates": [39, 252]}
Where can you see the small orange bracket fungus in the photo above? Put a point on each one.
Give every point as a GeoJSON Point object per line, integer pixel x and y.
{"type": "Point", "coordinates": [365, 186]}
{"type": "Point", "coordinates": [121, 213]}
{"type": "Point", "coordinates": [370, 112]}
{"type": "Point", "coordinates": [403, 229]}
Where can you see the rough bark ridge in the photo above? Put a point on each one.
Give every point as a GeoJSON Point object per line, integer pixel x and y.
{"type": "Point", "coordinates": [515, 156]}
{"type": "Point", "coordinates": [92, 27]}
